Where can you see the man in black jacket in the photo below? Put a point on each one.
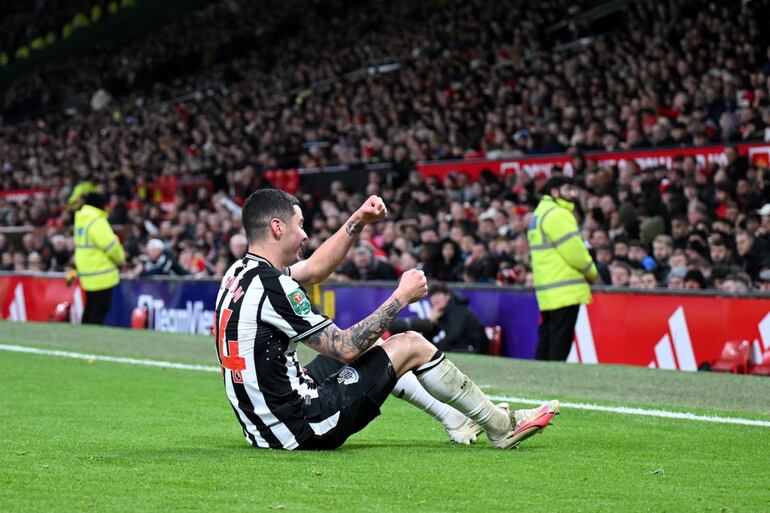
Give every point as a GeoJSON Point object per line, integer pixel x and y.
{"type": "Point", "coordinates": [456, 327]}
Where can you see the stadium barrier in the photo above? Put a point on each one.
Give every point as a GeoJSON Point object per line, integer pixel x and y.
{"type": "Point", "coordinates": [658, 329]}
{"type": "Point", "coordinates": [757, 153]}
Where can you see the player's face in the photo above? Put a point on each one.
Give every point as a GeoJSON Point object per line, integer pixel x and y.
{"type": "Point", "coordinates": [295, 237]}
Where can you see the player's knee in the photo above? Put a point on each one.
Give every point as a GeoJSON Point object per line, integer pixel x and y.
{"type": "Point", "coordinates": [419, 345]}
{"type": "Point", "coordinates": [413, 336]}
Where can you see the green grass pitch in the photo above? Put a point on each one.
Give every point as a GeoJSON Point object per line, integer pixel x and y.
{"type": "Point", "coordinates": [78, 435]}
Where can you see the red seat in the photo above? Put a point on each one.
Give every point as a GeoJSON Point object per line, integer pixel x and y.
{"type": "Point", "coordinates": [763, 369]}
{"type": "Point", "coordinates": [139, 318]}
{"type": "Point", "coordinates": [292, 181]}
{"type": "Point", "coordinates": [62, 312]}
{"type": "Point", "coordinates": [495, 336]}
{"type": "Point", "coordinates": [734, 358]}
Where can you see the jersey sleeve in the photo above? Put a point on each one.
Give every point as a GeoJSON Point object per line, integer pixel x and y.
{"type": "Point", "coordinates": [288, 308]}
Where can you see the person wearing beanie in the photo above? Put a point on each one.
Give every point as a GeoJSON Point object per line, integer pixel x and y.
{"type": "Point", "coordinates": [98, 255]}
{"type": "Point", "coordinates": [562, 267]}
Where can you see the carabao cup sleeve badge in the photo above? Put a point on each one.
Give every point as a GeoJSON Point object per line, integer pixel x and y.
{"type": "Point", "coordinates": [299, 302]}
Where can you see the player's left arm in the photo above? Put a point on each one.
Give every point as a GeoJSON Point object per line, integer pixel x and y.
{"type": "Point", "coordinates": [331, 253]}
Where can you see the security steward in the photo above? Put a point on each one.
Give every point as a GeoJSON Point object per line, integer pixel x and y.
{"type": "Point", "coordinates": [98, 253]}
{"type": "Point", "coordinates": [562, 267]}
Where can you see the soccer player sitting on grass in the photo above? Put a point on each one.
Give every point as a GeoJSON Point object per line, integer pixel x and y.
{"type": "Point", "coordinates": [262, 313]}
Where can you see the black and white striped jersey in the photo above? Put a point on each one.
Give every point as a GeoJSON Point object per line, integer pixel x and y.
{"type": "Point", "coordinates": [261, 315]}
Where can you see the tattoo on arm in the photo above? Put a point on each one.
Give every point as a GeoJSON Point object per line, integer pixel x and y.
{"type": "Point", "coordinates": [353, 228]}
{"type": "Point", "coordinates": [346, 344]}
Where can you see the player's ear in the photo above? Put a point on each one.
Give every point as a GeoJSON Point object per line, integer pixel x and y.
{"type": "Point", "coordinates": [276, 227]}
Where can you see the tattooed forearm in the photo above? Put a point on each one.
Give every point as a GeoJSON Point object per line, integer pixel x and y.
{"type": "Point", "coordinates": [353, 227]}
{"type": "Point", "coordinates": [346, 345]}
{"type": "Point", "coordinates": [365, 333]}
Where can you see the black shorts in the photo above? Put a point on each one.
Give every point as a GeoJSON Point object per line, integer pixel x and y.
{"type": "Point", "coordinates": [355, 392]}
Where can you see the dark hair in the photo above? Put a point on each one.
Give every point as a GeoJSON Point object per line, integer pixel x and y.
{"type": "Point", "coordinates": [718, 240]}
{"type": "Point", "coordinates": [263, 206]}
{"type": "Point", "coordinates": [95, 200]}
{"type": "Point", "coordinates": [439, 288]}
{"type": "Point", "coordinates": [555, 182]}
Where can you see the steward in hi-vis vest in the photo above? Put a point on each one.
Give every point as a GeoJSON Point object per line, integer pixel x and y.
{"type": "Point", "coordinates": [561, 265]}
{"type": "Point", "coordinates": [98, 253]}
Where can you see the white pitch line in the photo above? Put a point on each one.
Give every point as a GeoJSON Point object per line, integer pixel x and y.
{"type": "Point", "coordinates": [643, 412]}
{"type": "Point", "coordinates": [112, 359]}
{"type": "Point", "coordinates": [578, 406]}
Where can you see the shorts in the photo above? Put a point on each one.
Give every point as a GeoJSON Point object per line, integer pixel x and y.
{"type": "Point", "coordinates": [322, 367]}
{"type": "Point", "coordinates": [354, 393]}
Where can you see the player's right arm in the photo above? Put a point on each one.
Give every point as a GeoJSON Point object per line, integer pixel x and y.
{"type": "Point", "coordinates": [347, 345]}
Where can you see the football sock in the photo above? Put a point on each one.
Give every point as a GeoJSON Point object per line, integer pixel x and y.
{"type": "Point", "coordinates": [446, 383]}
{"type": "Point", "coordinates": [410, 390]}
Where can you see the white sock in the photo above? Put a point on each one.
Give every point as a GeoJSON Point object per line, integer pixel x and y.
{"type": "Point", "coordinates": [410, 390]}
{"type": "Point", "coordinates": [446, 383]}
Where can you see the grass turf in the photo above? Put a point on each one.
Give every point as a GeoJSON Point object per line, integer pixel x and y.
{"type": "Point", "coordinates": [80, 436]}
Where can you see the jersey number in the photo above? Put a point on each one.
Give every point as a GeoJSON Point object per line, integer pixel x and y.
{"type": "Point", "coordinates": [232, 362]}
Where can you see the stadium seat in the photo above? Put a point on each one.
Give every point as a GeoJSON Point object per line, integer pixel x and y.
{"type": "Point", "coordinates": [270, 175]}
{"type": "Point", "coordinates": [763, 369]}
{"type": "Point", "coordinates": [62, 312]}
{"type": "Point", "coordinates": [292, 182]}
{"type": "Point", "coordinates": [139, 316]}
{"type": "Point", "coordinates": [495, 336]}
{"type": "Point", "coordinates": [734, 358]}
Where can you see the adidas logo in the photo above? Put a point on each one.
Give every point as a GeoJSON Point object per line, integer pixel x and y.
{"type": "Point", "coordinates": [583, 348]}
{"type": "Point", "coordinates": [674, 350]}
{"type": "Point", "coordinates": [18, 308]}
{"type": "Point", "coordinates": [761, 344]}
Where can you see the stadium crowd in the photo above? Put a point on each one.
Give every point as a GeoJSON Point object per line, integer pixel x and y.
{"type": "Point", "coordinates": [467, 79]}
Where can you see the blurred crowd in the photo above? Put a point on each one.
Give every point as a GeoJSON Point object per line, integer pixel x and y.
{"type": "Point", "coordinates": [25, 20]}
{"type": "Point", "coordinates": [440, 80]}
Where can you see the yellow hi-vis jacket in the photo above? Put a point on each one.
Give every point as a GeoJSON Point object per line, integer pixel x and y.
{"type": "Point", "coordinates": [561, 264]}
{"type": "Point", "coordinates": [98, 252]}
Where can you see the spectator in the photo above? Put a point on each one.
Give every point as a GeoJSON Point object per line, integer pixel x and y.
{"type": "Point", "coordinates": [457, 328]}
{"type": "Point", "coordinates": [763, 282]}
{"type": "Point", "coordinates": [719, 250]}
{"type": "Point", "coordinates": [620, 273]}
{"type": "Point", "coordinates": [479, 266]}
{"type": "Point", "coordinates": [649, 282]}
{"type": "Point", "coordinates": [694, 280]}
{"type": "Point", "coordinates": [736, 283]}
{"type": "Point", "coordinates": [752, 252]}
{"type": "Point", "coordinates": [60, 254]}
{"type": "Point", "coordinates": [157, 261]}
{"type": "Point", "coordinates": [638, 254]}
{"type": "Point", "coordinates": [676, 278]}
{"type": "Point", "coordinates": [35, 262]}
{"type": "Point", "coordinates": [764, 226]}
{"type": "Point", "coordinates": [635, 281]}
{"type": "Point", "coordinates": [446, 266]}
{"type": "Point", "coordinates": [238, 247]}
{"type": "Point", "coordinates": [662, 249]}
{"type": "Point", "coordinates": [364, 266]}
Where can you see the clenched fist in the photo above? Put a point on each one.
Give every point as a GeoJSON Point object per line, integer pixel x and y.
{"type": "Point", "coordinates": [372, 210]}
{"type": "Point", "coordinates": [412, 287]}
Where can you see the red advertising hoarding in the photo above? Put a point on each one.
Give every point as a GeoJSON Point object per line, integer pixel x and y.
{"type": "Point", "coordinates": [678, 332]}
{"type": "Point", "coordinates": [34, 298]}
{"type": "Point", "coordinates": [667, 331]}
{"type": "Point", "coordinates": [21, 195]}
{"type": "Point", "coordinates": [758, 154]}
